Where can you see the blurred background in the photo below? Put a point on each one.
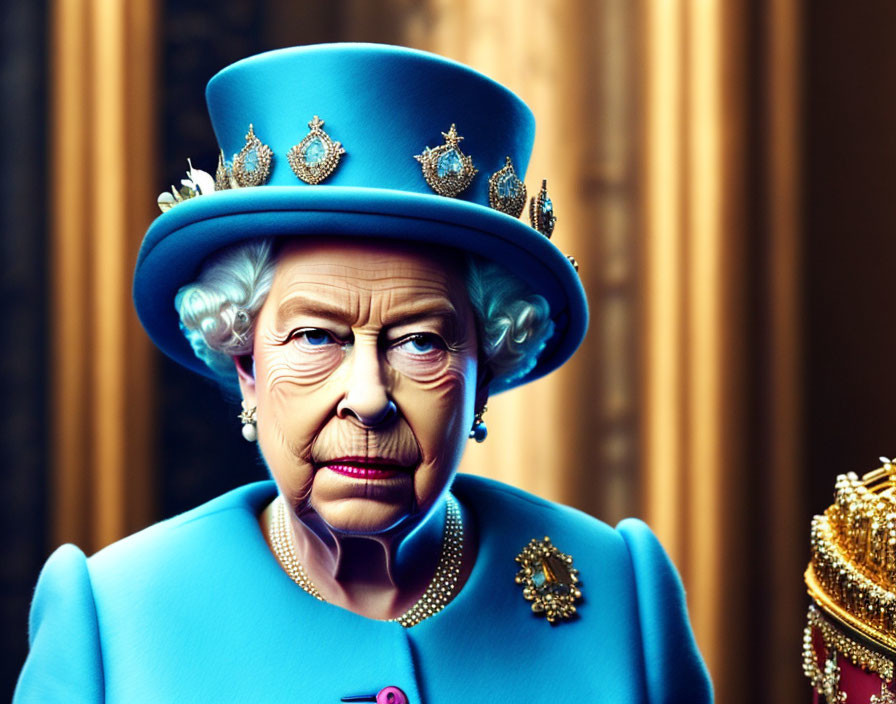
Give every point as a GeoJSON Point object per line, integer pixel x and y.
{"type": "Point", "coordinates": [723, 170]}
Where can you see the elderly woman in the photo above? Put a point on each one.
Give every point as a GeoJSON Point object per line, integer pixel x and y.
{"type": "Point", "coordinates": [365, 284]}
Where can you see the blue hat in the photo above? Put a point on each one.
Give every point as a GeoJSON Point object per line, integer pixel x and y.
{"type": "Point", "coordinates": [385, 105]}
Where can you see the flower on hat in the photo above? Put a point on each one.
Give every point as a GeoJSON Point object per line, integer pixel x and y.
{"type": "Point", "coordinates": [197, 183]}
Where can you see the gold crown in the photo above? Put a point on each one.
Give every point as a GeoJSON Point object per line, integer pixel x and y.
{"type": "Point", "coordinates": [852, 572]}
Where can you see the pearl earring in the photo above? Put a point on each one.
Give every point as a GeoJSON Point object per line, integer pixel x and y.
{"type": "Point", "coordinates": [248, 418]}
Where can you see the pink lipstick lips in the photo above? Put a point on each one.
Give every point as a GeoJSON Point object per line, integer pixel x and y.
{"type": "Point", "coordinates": [366, 468]}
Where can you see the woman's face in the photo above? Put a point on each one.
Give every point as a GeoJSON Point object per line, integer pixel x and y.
{"type": "Point", "coordinates": [365, 379]}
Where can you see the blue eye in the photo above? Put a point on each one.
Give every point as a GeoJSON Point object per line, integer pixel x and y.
{"type": "Point", "coordinates": [313, 337]}
{"type": "Point", "coordinates": [317, 337]}
{"type": "Point", "coordinates": [418, 355]}
{"type": "Point", "coordinates": [421, 344]}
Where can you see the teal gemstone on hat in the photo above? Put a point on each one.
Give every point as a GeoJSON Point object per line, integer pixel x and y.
{"type": "Point", "coordinates": [446, 169]}
{"type": "Point", "coordinates": [315, 152]}
{"type": "Point", "coordinates": [316, 157]}
{"type": "Point", "coordinates": [250, 163]}
{"type": "Point", "coordinates": [508, 185]}
{"type": "Point", "coordinates": [450, 163]}
{"type": "Point", "coordinates": [506, 192]}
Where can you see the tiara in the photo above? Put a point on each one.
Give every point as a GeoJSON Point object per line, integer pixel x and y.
{"type": "Point", "coordinates": [852, 573]}
{"type": "Point", "coordinates": [852, 577]}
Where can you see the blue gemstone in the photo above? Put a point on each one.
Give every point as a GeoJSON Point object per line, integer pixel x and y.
{"type": "Point", "coordinates": [508, 186]}
{"type": "Point", "coordinates": [539, 577]}
{"type": "Point", "coordinates": [250, 163]}
{"type": "Point", "coordinates": [449, 163]}
{"type": "Point", "coordinates": [547, 207]}
{"type": "Point", "coordinates": [315, 152]}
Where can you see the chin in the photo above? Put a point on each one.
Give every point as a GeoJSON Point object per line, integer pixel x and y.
{"type": "Point", "coordinates": [362, 516]}
{"type": "Point", "coordinates": [362, 507]}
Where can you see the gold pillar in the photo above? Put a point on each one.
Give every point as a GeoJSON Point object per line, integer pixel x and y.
{"type": "Point", "coordinates": [693, 316]}
{"type": "Point", "coordinates": [101, 160]}
{"type": "Point", "coordinates": [721, 437]}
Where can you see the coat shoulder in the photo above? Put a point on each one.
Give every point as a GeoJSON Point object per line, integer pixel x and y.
{"type": "Point", "coordinates": [625, 566]}
{"type": "Point", "coordinates": [529, 515]}
{"type": "Point", "coordinates": [188, 545]}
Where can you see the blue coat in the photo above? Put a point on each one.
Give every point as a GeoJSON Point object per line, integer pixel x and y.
{"type": "Point", "coordinates": [196, 608]}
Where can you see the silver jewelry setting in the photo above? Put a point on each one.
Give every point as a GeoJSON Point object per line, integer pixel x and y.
{"type": "Point", "coordinates": [316, 156]}
{"type": "Point", "coordinates": [506, 192]}
{"type": "Point", "coordinates": [541, 211]}
{"type": "Point", "coordinates": [248, 418]}
{"type": "Point", "coordinates": [447, 170]}
{"type": "Point", "coordinates": [252, 166]}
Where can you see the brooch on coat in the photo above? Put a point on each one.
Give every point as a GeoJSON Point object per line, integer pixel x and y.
{"type": "Point", "coordinates": [549, 580]}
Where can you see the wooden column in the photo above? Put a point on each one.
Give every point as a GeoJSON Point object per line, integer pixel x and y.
{"type": "Point", "coordinates": [695, 410]}
{"type": "Point", "coordinates": [722, 328]}
{"type": "Point", "coordinates": [102, 164]}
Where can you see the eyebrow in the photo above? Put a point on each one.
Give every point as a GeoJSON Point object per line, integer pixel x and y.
{"type": "Point", "coordinates": [309, 305]}
{"type": "Point", "coordinates": [437, 308]}
{"type": "Point", "coordinates": [303, 304]}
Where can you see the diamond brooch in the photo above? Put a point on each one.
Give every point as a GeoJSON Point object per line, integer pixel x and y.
{"type": "Point", "coordinates": [541, 212]}
{"type": "Point", "coordinates": [549, 580]}
{"type": "Point", "coordinates": [252, 166]}
{"type": "Point", "coordinates": [447, 170]}
{"type": "Point", "coordinates": [316, 156]}
{"type": "Point", "coordinates": [506, 192]}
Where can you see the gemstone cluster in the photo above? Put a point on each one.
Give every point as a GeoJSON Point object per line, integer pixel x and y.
{"type": "Point", "coordinates": [549, 580]}
{"type": "Point", "coordinates": [852, 572]}
{"type": "Point", "coordinates": [252, 165]}
{"type": "Point", "coordinates": [316, 156]}
{"type": "Point", "coordinates": [541, 212]}
{"type": "Point", "coordinates": [447, 170]}
{"type": "Point", "coordinates": [852, 579]}
{"type": "Point", "coordinates": [506, 192]}
{"type": "Point", "coordinates": [835, 644]}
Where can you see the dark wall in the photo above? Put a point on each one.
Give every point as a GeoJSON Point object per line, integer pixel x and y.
{"type": "Point", "coordinates": [850, 239]}
{"type": "Point", "coordinates": [23, 277]}
{"type": "Point", "coordinates": [199, 449]}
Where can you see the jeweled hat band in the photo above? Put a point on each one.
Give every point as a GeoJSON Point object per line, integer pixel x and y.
{"type": "Point", "coordinates": [446, 169]}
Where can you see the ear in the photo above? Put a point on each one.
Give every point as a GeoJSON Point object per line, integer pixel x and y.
{"type": "Point", "coordinates": [245, 371]}
{"type": "Point", "coordinates": [484, 378]}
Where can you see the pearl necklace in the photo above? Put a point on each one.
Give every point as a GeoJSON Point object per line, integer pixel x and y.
{"type": "Point", "coordinates": [437, 594]}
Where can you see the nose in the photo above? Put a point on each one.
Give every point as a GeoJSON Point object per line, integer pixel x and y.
{"type": "Point", "coordinates": [366, 399]}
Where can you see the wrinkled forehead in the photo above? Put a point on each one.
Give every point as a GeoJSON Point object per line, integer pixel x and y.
{"type": "Point", "coordinates": [371, 267]}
